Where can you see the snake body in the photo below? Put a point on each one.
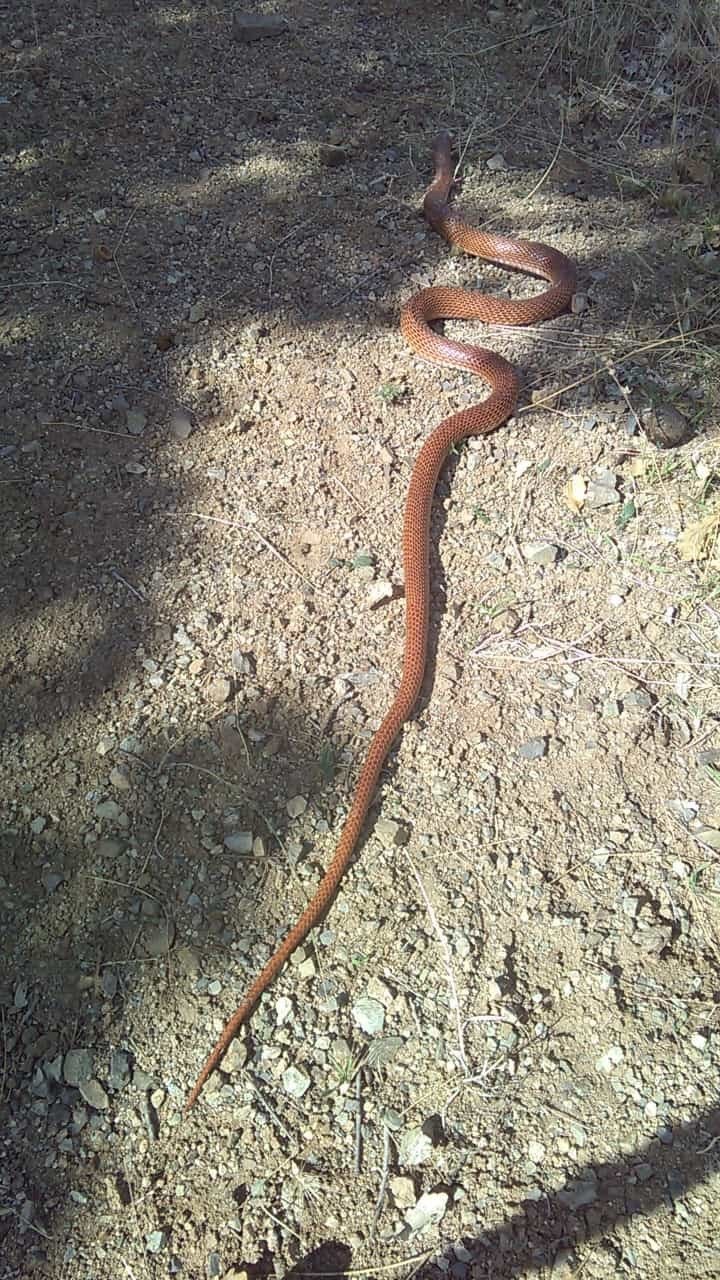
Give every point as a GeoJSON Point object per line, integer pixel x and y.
{"type": "Point", "coordinates": [427, 305]}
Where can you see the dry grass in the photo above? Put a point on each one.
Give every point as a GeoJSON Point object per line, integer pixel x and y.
{"type": "Point", "coordinates": [678, 41]}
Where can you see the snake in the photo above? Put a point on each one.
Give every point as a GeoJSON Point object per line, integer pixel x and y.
{"type": "Point", "coordinates": [433, 303]}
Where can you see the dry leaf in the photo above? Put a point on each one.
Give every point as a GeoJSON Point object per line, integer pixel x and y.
{"type": "Point", "coordinates": [699, 540]}
{"type": "Point", "coordinates": [575, 491]}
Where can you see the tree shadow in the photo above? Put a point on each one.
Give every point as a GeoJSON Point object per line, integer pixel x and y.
{"type": "Point", "coordinates": [547, 1230]}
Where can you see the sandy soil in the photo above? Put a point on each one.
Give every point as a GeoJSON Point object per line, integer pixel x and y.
{"type": "Point", "coordinates": [499, 1056]}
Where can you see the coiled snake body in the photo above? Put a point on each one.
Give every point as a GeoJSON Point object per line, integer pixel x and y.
{"type": "Point", "coordinates": [426, 306]}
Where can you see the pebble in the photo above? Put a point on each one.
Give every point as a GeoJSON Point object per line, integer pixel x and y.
{"type": "Point", "coordinates": [536, 1152]}
{"type": "Point", "coordinates": [156, 1241]}
{"type": "Point", "coordinates": [369, 1015]}
{"type": "Point", "coordinates": [533, 749]}
{"type": "Point", "coordinates": [109, 982]}
{"type": "Point", "coordinates": [38, 825]}
{"type": "Point", "coordinates": [247, 27]}
{"type": "Point", "coordinates": [428, 1211]}
{"type": "Point", "coordinates": [108, 810]}
{"type": "Point", "coordinates": [295, 1082]}
{"type": "Point", "coordinates": [120, 778]}
{"type": "Point", "coordinates": [379, 591]}
{"type": "Point", "coordinates": [602, 491]}
{"type": "Point", "coordinates": [578, 1194]}
{"type": "Point", "coordinates": [610, 1060]}
{"type": "Point", "coordinates": [402, 1191]}
{"type": "Point", "coordinates": [415, 1147]}
{"type": "Point", "coordinates": [52, 880]}
{"type": "Point", "coordinates": [219, 690]}
{"type": "Point", "coordinates": [197, 312]}
{"type": "Point", "coordinates": [542, 553]}
{"type": "Point", "coordinates": [239, 842]}
{"type": "Point", "coordinates": [214, 987]}
{"type": "Point", "coordinates": [332, 157]}
{"type": "Point", "coordinates": [94, 1094]}
{"type": "Point", "coordinates": [119, 1074]}
{"type": "Point", "coordinates": [135, 421]}
{"type": "Point", "coordinates": [158, 938]}
{"type": "Point", "coordinates": [496, 560]}
{"type": "Point", "coordinates": [296, 806]}
{"type": "Point", "coordinates": [496, 163]}
{"type": "Point", "coordinates": [236, 1057]}
{"type": "Point", "coordinates": [391, 834]}
{"type": "Point", "coordinates": [77, 1066]}
{"type": "Point", "coordinates": [180, 424]}
{"type": "Point", "coordinates": [666, 427]}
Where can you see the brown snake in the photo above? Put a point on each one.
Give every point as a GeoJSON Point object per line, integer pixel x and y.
{"type": "Point", "coordinates": [428, 305]}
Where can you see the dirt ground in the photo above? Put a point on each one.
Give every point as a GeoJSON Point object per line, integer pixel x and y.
{"type": "Point", "coordinates": [499, 1055]}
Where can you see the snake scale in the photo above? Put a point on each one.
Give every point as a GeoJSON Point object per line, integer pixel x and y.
{"type": "Point", "coordinates": [429, 304]}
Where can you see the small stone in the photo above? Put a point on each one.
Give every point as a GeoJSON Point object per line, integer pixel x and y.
{"type": "Point", "coordinates": [240, 842]}
{"type": "Point", "coordinates": [296, 806]}
{"type": "Point", "coordinates": [402, 1191]}
{"type": "Point", "coordinates": [640, 699]}
{"type": "Point", "coordinates": [496, 163]}
{"type": "Point", "coordinates": [541, 553]}
{"type": "Point", "coordinates": [391, 834]}
{"type": "Point", "coordinates": [94, 1094]}
{"type": "Point", "coordinates": [415, 1146]}
{"type": "Point", "coordinates": [496, 560]}
{"type": "Point", "coordinates": [236, 1057]}
{"type": "Point", "coordinates": [180, 424]}
{"type": "Point", "coordinates": [109, 983]}
{"type": "Point", "coordinates": [120, 778]}
{"type": "Point", "coordinates": [533, 749]}
{"type": "Point", "coordinates": [156, 1241]}
{"type": "Point", "coordinates": [536, 1152]}
{"type": "Point", "coordinates": [369, 1015]}
{"type": "Point", "coordinates": [428, 1211]}
{"type": "Point", "coordinates": [611, 709]}
{"type": "Point", "coordinates": [711, 756]}
{"type": "Point", "coordinates": [666, 427]}
{"type": "Point", "coordinates": [135, 421]}
{"type": "Point", "coordinates": [332, 157]}
{"type": "Point", "coordinates": [52, 880]}
{"type": "Point", "coordinates": [38, 825]}
{"type": "Point", "coordinates": [296, 1082]}
{"type": "Point", "coordinates": [610, 1060]}
{"type": "Point", "coordinates": [219, 690]}
{"type": "Point", "coordinates": [379, 591]}
{"type": "Point", "coordinates": [247, 27]}
{"type": "Point", "coordinates": [197, 312]}
{"type": "Point", "coordinates": [119, 1074]}
{"type": "Point", "coordinates": [108, 810]}
{"type": "Point", "coordinates": [579, 303]}
{"type": "Point", "coordinates": [602, 491]}
{"type": "Point", "coordinates": [578, 1194]}
{"type": "Point", "coordinates": [188, 959]}
{"type": "Point", "coordinates": [698, 1041]}
{"type": "Point", "coordinates": [158, 938]}
{"type": "Point", "coordinates": [283, 1009]}
{"type": "Point", "coordinates": [214, 987]}
{"type": "Point", "coordinates": [77, 1067]}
